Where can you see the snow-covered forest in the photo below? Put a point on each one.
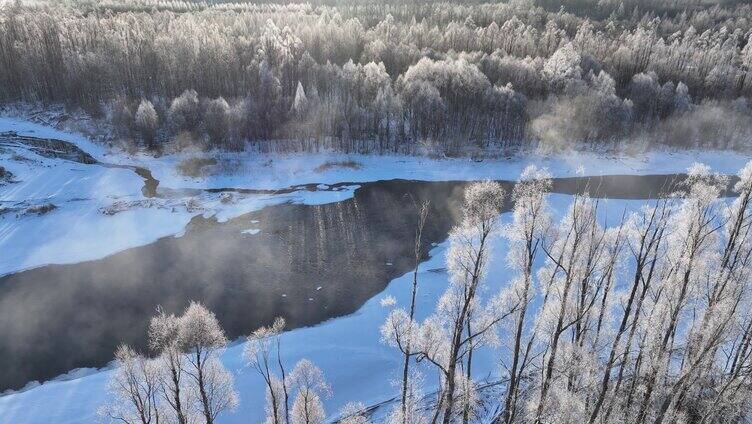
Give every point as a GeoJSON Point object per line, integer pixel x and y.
{"type": "Point", "coordinates": [411, 77]}
{"type": "Point", "coordinates": [647, 319]}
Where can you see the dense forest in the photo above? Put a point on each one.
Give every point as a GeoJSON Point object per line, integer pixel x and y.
{"type": "Point", "coordinates": [408, 77]}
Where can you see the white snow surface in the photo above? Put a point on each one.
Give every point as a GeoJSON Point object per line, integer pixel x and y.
{"type": "Point", "coordinates": [347, 349]}
{"type": "Point", "coordinates": [77, 230]}
{"type": "Point", "coordinates": [278, 171]}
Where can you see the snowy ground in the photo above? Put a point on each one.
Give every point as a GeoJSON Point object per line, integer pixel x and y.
{"type": "Point", "coordinates": [250, 170]}
{"type": "Point", "coordinates": [81, 192]}
{"type": "Point", "coordinates": [68, 234]}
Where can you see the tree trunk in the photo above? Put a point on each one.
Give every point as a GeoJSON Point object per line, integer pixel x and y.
{"type": "Point", "coordinates": [202, 389]}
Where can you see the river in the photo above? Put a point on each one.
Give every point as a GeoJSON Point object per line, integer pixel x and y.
{"type": "Point", "coordinates": [307, 263]}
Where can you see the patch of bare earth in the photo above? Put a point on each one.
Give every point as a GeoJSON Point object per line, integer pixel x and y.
{"type": "Point", "coordinates": [328, 165]}
{"type": "Point", "coordinates": [194, 167]}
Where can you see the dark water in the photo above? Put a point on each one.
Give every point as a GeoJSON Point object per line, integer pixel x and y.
{"type": "Point", "coordinates": [308, 264]}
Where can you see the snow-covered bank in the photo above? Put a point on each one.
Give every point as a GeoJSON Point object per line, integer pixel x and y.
{"type": "Point", "coordinates": [81, 191]}
{"type": "Point", "coordinates": [79, 230]}
{"type": "Point", "coordinates": [277, 171]}
{"type": "Point", "coordinates": [347, 349]}
{"type": "Point", "coordinates": [77, 191]}
{"type": "Point", "coordinates": [98, 210]}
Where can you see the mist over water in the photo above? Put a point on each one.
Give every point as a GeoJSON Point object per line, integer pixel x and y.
{"type": "Point", "coordinates": [303, 262]}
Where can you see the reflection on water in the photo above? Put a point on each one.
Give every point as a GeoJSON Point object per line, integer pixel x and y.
{"type": "Point", "coordinates": [306, 263]}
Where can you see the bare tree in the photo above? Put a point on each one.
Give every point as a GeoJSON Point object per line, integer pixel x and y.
{"type": "Point", "coordinates": [147, 122]}
{"type": "Point", "coordinates": [163, 340]}
{"type": "Point", "coordinates": [354, 413]}
{"type": "Point", "coordinates": [257, 354]}
{"type": "Point", "coordinates": [203, 339]}
{"type": "Point", "coordinates": [530, 224]}
{"type": "Point", "coordinates": [461, 323]}
{"type": "Point", "coordinates": [134, 387]}
{"type": "Point", "coordinates": [309, 382]}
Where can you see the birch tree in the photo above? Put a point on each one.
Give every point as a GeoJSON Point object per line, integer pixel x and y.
{"type": "Point", "coordinates": [134, 387]}
{"type": "Point", "coordinates": [147, 122]}
{"type": "Point", "coordinates": [258, 355]}
{"type": "Point", "coordinates": [530, 222]}
{"type": "Point", "coordinates": [173, 387]}
{"type": "Point", "coordinates": [309, 382]}
{"type": "Point", "coordinates": [203, 339]}
{"type": "Point", "coordinates": [462, 323]}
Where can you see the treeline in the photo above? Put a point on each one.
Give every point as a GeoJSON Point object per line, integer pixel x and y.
{"type": "Point", "coordinates": [391, 77]}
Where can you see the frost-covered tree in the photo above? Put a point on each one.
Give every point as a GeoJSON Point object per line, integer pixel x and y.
{"type": "Point", "coordinates": [354, 413]}
{"type": "Point", "coordinates": [691, 251]}
{"type": "Point", "coordinates": [462, 323]}
{"type": "Point", "coordinates": [726, 318]}
{"type": "Point", "coordinates": [293, 398]}
{"type": "Point", "coordinates": [173, 386]}
{"type": "Point", "coordinates": [202, 338]}
{"type": "Point", "coordinates": [147, 122]}
{"type": "Point", "coordinates": [309, 382]}
{"type": "Point", "coordinates": [122, 117]}
{"type": "Point", "coordinates": [217, 121]}
{"type": "Point", "coordinates": [645, 321]}
{"type": "Point", "coordinates": [562, 68]}
{"type": "Point", "coordinates": [576, 280]}
{"type": "Point", "coordinates": [530, 223]}
{"type": "Point", "coordinates": [184, 113]}
{"type": "Point", "coordinates": [387, 77]}
{"type": "Point", "coordinates": [415, 410]}
{"type": "Point", "coordinates": [268, 110]}
{"type": "Point", "coordinates": [401, 331]}
{"type": "Point", "coordinates": [134, 389]}
{"type": "Point", "coordinates": [644, 239]}
{"type": "Point", "coordinates": [400, 328]}
{"type": "Point", "coordinates": [257, 353]}
{"type": "Point", "coordinates": [300, 102]}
